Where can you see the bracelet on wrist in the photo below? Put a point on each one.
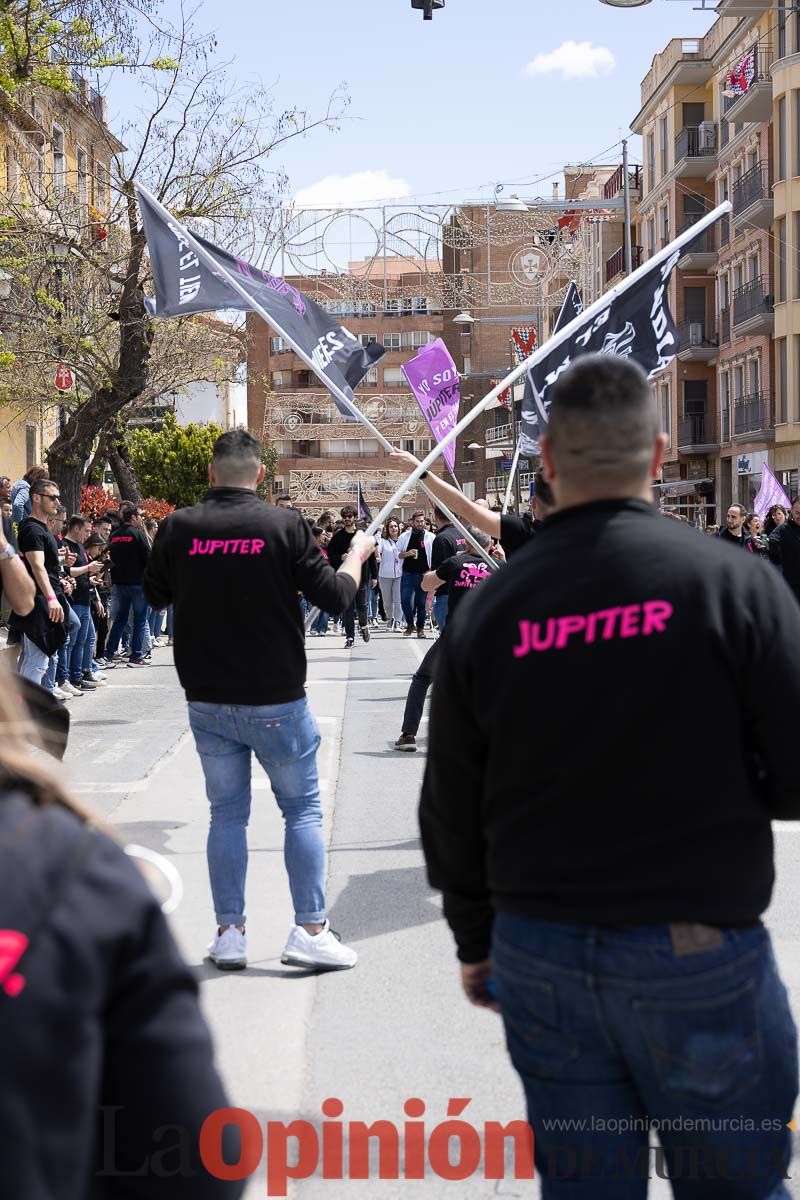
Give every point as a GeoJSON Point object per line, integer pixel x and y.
{"type": "Point", "coordinates": [49, 598]}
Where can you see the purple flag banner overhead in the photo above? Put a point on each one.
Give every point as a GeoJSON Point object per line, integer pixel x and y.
{"type": "Point", "coordinates": [433, 378]}
{"type": "Point", "coordinates": [770, 492]}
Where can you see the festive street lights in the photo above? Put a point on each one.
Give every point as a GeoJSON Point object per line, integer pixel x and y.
{"type": "Point", "coordinates": [427, 7]}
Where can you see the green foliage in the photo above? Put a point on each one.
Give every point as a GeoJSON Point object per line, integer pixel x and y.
{"type": "Point", "coordinates": [173, 461]}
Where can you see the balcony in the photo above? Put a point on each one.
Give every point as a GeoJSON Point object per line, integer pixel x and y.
{"type": "Point", "coordinates": [501, 435]}
{"type": "Point", "coordinates": [752, 199]}
{"type": "Point", "coordinates": [615, 185]}
{"type": "Point", "coordinates": [724, 326]}
{"type": "Point", "coordinates": [752, 414]}
{"type": "Point", "coordinates": [753, 306]}
{"type": "Point", "coordinates": [702, 254]}
{"type": "Point", "coordinates": [755, 104]}
{"type": "Point", "coordinates": [495, 484]}
{"type": "Point", "coordinates": [616, 264]}
{"type": "Point", "coordinates": [698, 433]}
{"type": "Point", "coordinates": [696, 150]}
{"type": "Point", "coordinates": [683, 61]}
{"type": "Point", "coordinates": [697, 342]}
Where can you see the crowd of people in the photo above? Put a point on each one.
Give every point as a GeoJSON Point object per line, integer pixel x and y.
{"type": "Point", "coordinates": [89, 614]}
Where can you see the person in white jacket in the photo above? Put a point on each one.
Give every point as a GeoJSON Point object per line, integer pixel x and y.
{"type": "Point", "coordinates": [390, 572]}
{"type": "Point", "coordinates": [415, 549]}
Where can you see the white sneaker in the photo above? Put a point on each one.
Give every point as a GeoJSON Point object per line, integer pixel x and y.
{"type": "Point", "coordinates": [70, 689]}
{"type": "Point", "coordinates": [323, 950]}
{"type": "Point", "coordinates": [228, 951]}
{"type": "Point", "coordinates": [59, 695]}
{"type": "Point", "coordinates": [96, 677]}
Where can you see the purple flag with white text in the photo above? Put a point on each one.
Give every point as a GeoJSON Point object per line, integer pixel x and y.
{"type": "Point", "coordinates": [433, 378]}
{"type": "Point", "coordinates": [771, 492]}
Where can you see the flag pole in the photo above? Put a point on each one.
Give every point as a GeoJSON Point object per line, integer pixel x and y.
{"type": "Point", "coordinates": [221, 272]}
{"type": "Point", "coordinates": [512, 473]}
{"type": "Point", "coordinates": [556, 340]}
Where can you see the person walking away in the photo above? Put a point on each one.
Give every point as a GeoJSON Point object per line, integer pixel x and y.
{"type": "Point", "coordinates": [461, 573]}
{"type": "Point", "coordinates": [414, 549]}
{"type": "Point", "coordinates": [338, 548]}
{"type": "Point", "coordinates": [389, 575]}
{"type": "Point", "coordinates": [784, 548]}
{"type": "Point", "coordinates": [246, 691]}
{"type": "Point", "coordinates": [632, 979]}
{"type": "Point", "coordinates": [129, 550]}
{"type": "Point", "coordinates": [447, 542]}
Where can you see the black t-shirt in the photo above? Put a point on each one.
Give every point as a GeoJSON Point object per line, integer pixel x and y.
{"type": "Point", "coordinates": [516, 532]}
{"type": "Point", "coordinates": [34, 535]}
{"type": "Point", "coordinates": [82, 593]}
{"type": "Point", "coordinates": [448, 541]}
{"type": "Point", "coordinates": [462, 573]}
{"type": "Point", "coordinates": [418, 565]}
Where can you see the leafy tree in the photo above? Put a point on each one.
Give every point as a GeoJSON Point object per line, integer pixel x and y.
{"type": "Point", "coordinates": [172, 462]}
{"type": "Point", "coordinates": [205, 148]}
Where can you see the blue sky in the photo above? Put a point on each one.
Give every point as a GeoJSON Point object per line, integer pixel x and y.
{"type": "Point", "coordinates": [442, 110]}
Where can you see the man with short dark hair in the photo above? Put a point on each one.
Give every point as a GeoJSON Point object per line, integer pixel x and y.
{"type": "Point", "coordinates": [39, 549]}
{"type": "Point", "coordinates": [78, 665]}
{"type": "Point", "coordinates": [784, 548]}
{"type": "Point", "coordinates": [614, 917]}
{"type": "Point", "coordinates": [129, 550]}
{"type": "Point", "coordinates": [447, 542]}
{"type": "Point", "coordinates": [246, 691]}
{"type": "Point", "coordinates": [338, 547]}
{"type": "Point", "coordinates": [415, 550]}
{"type": "Point", "coordinates": [734, 531]}
{"type": "Point", "coordinates": [284, 501]}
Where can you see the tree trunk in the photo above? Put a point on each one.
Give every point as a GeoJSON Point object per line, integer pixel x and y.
{"type": "Point", "coordinates": [94, 472]}
{"type": "Point", "coordinates": [121, 465]}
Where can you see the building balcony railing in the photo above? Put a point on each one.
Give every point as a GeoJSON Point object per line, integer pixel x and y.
{"type": "Point", "coordinates": [702, 253]}
{"type": "Point", "coordinates": [754, 304]}
{"type": "Point", "coordinates": [496, 483]}
{"type": "Point", "coordinates": [615, 265]}
{"type": "Point", "coordinates": [697, 340]}
{"type": "Point", "coordinates": [752, 413]}
{"type": "Point", "coordinates": [724, 326]}
{"type": "Point", "coordinates": [696, 141]}
{"type": "Point", "coordinates": [501, 434]}
{"type": "Point", "coordinates": [615, 185]}
{"type": "Point", "coordinates": [755, 103]}
{"type": "Point", "coordinates": [696, 430]}
{"type": "Point", "coordinates": [752, 187]}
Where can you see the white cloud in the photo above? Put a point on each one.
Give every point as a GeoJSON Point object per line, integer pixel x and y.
{"type": "Point", "coordinates": [574, 60]}
{"type": "Point", "coordinates": [362, 187]}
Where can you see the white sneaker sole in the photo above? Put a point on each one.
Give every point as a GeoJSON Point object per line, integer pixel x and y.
{"type": "Point", "coordinates": [228, 964]}
{"type": "Point", "coordinates": [293, 960]}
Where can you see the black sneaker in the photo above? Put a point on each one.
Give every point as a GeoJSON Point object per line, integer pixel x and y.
{"type": "Point", "coordinates": [364, 629]}
{"type": "Point", "coordinates": [86, 685]}
{"type": "Point", "coordinates": [406, 741]}
{"type": "Point", "coordinates": [349, 644]}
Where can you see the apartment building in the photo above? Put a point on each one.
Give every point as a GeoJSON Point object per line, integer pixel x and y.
{"type": "Point", "coordinates": [322, 456]}
{"type": "Point", "coordinates": [55, 153]}
{"type": "Point", "coordinates": [720, 119]}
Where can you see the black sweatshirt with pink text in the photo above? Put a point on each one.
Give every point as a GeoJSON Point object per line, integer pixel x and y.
{"type": "Point", "coordinates": [596, 792]}
{"type": "Point", "coordinates": [232, 567]}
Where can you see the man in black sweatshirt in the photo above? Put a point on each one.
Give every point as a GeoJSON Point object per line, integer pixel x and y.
{"type": "Point", "coordinates": [129, 550]}
{"type": "Point", "coordinates": [784, 548]}
{"type": "Point", "coordinates": [246, 689]}
{"type": "Point", "coordinates": [608, 904]}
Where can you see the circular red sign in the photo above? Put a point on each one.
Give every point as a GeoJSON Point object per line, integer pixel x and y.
{"type": "Point", "coordinates": [64, 378]}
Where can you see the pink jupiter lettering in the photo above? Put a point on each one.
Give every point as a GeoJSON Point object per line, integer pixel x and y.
{"type": "Point", "coordinates": [627, 621]}
{"type": "Point", "coordinates": [228, 546]}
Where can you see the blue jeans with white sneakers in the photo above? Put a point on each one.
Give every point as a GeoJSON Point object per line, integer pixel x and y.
{"type": "Point", "coordinates": [284, 739]}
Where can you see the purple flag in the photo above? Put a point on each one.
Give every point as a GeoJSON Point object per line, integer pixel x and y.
{"type": "Point", "coordinates": [433, 378]}
{"type": "Point", "coordinates": [769, 493]}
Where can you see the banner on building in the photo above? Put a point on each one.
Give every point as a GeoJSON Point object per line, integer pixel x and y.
{"type": "Point", "coordinates": [771, 492]}
{"type": "Point", "coordinates": [186, 282]}
{"type": "Point", "coordinates": [433, 378]}
{"type": "Point", "coordinates": [523, 344]}
{"type": "Point", "coordinates": [636, 323]}
{"type": "Point", "coordinates": [362, 508]}
{"type": "Point", "coordinates": [740, 77]}
{"type": "Point", "coordinates": [571, 308]}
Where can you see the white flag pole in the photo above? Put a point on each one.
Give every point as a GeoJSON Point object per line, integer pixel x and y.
{"type": "Point", "coordinates": [557, 339]}
{"type": "Point", "coordinates": [252, 303]}
{"type": "Point", "coordinates": [511, 474]}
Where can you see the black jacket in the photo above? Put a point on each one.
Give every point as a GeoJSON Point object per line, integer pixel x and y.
{"type": "Point", "coordinates": [741, 543]}
{"type": "Point", "coordinates": [232, 567]}
{"type": "Point", "coordinates": [448, 542]}
{"type": "Point", "coordinates": [784, 551]}
{"type": "Point", "coordinates": [337, 548]}
{"type": "Point", "coordinates": [589, 799]}
{"type": "Point", "coordinates": [129, 550]}
{"type": "Point", "coordinates": [101, 1037]}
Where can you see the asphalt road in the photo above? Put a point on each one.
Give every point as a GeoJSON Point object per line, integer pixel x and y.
{"type": "Point", "coordinates": [396, 1027]}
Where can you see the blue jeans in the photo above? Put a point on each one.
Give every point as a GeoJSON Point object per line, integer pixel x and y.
{"type": "Point", "coordinates": [440, 607]}
{"type": "Point", "coordinates": [58, 671]}
{"type": "Point", "coordinates": [125, 596]}
{"type": "Point", "coordinates": [321, 623]}
{"type": "Point", "coordinates": [77, 651]}
{"type": "Point", "coordinates": [284, 739]}
{"type": "Point", "coordinates": [413, 599]}
{"type": "Point", "coordinates": [610, 1029]}
{"type": "Point", "coordinates": [34, 664]}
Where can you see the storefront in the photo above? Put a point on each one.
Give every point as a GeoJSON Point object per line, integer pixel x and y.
{"type": "Point", "coordinates": [690, 498]}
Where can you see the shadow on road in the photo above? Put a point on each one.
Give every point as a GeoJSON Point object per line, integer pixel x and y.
{"type": "Point", "coordinates": [384, 902]}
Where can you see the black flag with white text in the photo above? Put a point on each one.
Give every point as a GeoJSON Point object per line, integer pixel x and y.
{"type": "Point", "coordinates": [571, 308]}
{"type": "Point", "coordinates": [184, 285]}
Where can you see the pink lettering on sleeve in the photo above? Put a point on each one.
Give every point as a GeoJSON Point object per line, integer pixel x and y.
{"type": "Point", "coordinates": [566, 627]}
{"type": "Point", "coordinates": [656, 615]}
{"type": "Point", "coordinates": [257, 546]}
{"type": "Point", "coordinates": [629, 625]}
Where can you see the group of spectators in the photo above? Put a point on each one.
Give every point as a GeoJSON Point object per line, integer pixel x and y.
{"type": "Point", "coordinates": [89, 614]}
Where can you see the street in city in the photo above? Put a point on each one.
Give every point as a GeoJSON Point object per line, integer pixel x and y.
{"type": "Point", "coordinates": [398, 1025]}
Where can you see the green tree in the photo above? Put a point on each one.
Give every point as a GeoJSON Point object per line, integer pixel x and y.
{"type": "Point", "coordinates": [172, 462]}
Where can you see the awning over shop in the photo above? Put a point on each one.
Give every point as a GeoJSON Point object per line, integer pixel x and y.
{"type": "Point", "coordinates": [682, 487]}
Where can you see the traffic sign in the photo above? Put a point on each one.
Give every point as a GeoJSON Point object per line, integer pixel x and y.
{"type": "Point", "coordinates": [506, 464]}
{"type": "Point", "coordinates": [64, 378]}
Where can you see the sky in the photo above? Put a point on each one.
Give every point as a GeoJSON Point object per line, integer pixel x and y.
{"type": "Point", "coordinates": [489, 91]}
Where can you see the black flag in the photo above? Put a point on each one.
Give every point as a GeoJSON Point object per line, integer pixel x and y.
{"type": "Point", "coordinates": [185, 284]}
{"type": "Point", "coordinates": [636, 323]}
{"type": "Point", "coordinates": [571, 308]}
{"type": "Point", "coordinates": [362, 508]}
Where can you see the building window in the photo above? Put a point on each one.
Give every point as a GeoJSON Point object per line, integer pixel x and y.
{"type": "Point", "coordinates": [420, 305]}
{"type": "Point", "coordinates": [664, 224]}
{"type": "Point", "coordinates": [754, 371]}
{"type": "Point", "coordinates": [781, 240]}
{"type": "Point", "coordinates": [780, 133]}
{"type": "Point", "coordinates": [58, 157]}
{"type": "Point", "coordinates": [281, 379]}
{"type": "Point", "coordinates": [651, 236]}
{"type": "Point", "coordinates": [276, 345]}
{"type": "Point", "coordinates": [367, 339]}
{"type": "Point", "coordinates": [370, 379]}
{"type": "Point", "coordinates": [393, 377]}
{"type": "Point", "coordinates": [725, 405]}
{"type": "Point", "coordinates": [82, 176]}
{"type": "Point", "coordinates": [30, 446]}
{"type": "Point", "coordinates": [664, 144]}
{"type": "Point", "coordinates": [666, 413]}
{"type": "Point", "coordinates": [796, 257]}
{"type": "Point", "coordinates": [392, 307]}
{"type": "Point", "coordinates": [796, 110]}
{"type": "Point", "coordinates": [783, 399]}
{"type": "Point", "coordinates": [651, 161]}
{"type": "Point", "coordinates": [391, 341]}
{"type": "Point", "coordinates": [469, 490]}
{"type": "Point", "coordinates": [101, 187]}
{"type": "Point", "coordinates": [781, 30]}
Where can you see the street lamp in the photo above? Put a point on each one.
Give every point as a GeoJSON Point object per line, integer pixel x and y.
{"type": "Point", "coordinates": [626, 3]}
{"type": "Point", "coordinates": [427, 7]}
